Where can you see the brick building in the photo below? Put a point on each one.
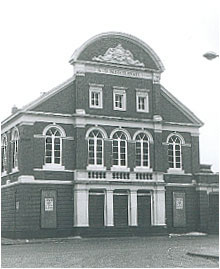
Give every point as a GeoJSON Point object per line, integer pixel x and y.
{"type": "Point", "coordinates": [108, 152]}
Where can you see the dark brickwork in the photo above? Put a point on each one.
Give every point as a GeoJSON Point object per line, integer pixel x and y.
{"type": "Point", "coordinates": [26, 221]}
{"type": "Point", "coordinates": [191, 207]}
{"type": "Point", "coordinates": [62, 102]}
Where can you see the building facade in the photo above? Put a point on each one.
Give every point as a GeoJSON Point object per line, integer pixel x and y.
{"type": "Point", "coordinates": [108, 152]}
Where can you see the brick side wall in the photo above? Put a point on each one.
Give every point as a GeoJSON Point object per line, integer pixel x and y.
{"type": "Point", "coordinates": [27, 220]}
{"type": "Point", "coordinates": [170, 113]}
{"type": "Point", "coordinates": [62, 102]}
{"type": "Point", "coordinates": [8, 209]}
{"type": "Point", "coordinates": [203, 200]}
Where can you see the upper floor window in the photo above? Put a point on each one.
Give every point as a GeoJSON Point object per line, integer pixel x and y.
{"type": "Point", "coordinates": [119, 148]}
{"type": "Point", "coordinates": [142, 151]}
{"type": "Point", "coordinates": [15, 139]}
{"type": "Point", "coordinates": [174, 152]}
{"type": "Point", "coordinates": [95, 147]}
{"type": "Point", "coordinates": [119, 99]}
{"type": "Point", "coordinates": [95, 96]}
{"type": "Point", "coordinates": [142, 102]}
{"type": "Point", "coordinates": [4, 153]}
{"type": "Point", "coordinates": [53, 145]}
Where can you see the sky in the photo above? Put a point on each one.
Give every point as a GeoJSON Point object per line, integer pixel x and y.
{"type": "Point", "coordinates": [38, 38]}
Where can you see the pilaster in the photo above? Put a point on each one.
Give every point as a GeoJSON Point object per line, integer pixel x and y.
{"type": "Point", "coordinates": [109, 208]}
{"type": "Point", "coordinates": [159, 206]}
{"type": "Point", "coordinates": [81, 211]}
{"type": "Point", "coordinates": [133, 208]}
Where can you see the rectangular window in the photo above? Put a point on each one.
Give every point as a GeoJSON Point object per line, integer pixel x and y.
{"type": "Point", "coordinates": [119, 99]}
{"type": "Point", "coordinates": [95, 96]}
{"type": "Point", "coordinates": [142, 102]}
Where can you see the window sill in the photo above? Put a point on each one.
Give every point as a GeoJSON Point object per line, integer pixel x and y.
{"type": "Point", "coordinates": [120, 169]}
{"type": "Point", "coordinates": [53, 167]}
{"type": "Point", "coordinates": [14, 170]}
{"type": "Point", "coordinates": [142, 111]}
{"type": "Point", "coordinates": [3, 174]}
{"type": "Point", "coordinates": [96, 107]}
{"type": "Point", "coordinates": [143, 169]}
{"type": "Point", "coordinates": [119, 109]}
{"type": "Point", "coordinates": [175, 171]}
{"type": "Point", "coordinates": [95, 168]}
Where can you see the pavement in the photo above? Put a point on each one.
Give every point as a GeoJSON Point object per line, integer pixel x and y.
{"type": "Point", "coordinates": [206, 252]}
{"type": "Point", "coordinates": [173, 251]}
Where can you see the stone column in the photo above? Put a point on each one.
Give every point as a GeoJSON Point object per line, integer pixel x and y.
{"type": "Point", "coordinates": [109, 220]}
{"type": "Point", "coordinates": [133, 208]}
{"type": "Point", "coordinates": [81, 210]}
{"type": "Point", "coordinates": [159, 206]}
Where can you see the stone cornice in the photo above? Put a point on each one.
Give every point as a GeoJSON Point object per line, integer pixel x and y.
{"type": "Point", "coordinates": [29, 117]}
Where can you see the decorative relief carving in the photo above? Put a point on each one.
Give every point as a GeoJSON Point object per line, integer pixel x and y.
{"type": "Point", "coordinates": [118, 55]}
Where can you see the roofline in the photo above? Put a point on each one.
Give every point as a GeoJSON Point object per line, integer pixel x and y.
{"type": "Point", "coordinates": [40, 99]}
{"type": "Point", "coordinates": [187, 112]}
{"type": "Point", "coordinates": [145, 46]}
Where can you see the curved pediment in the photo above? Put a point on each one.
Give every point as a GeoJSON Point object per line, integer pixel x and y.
{"type": "Point", "coordinates": [120, 49]}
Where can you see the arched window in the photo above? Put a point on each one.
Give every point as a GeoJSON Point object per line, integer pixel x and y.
{"type": "Point", "coordinates": [174, 152]}
{"type": "Point", "coordinates": [142, 151]}
{"type": "Point", "coordinates": [4, 153]}
{"type": "Point", "coordinates": [53, 146]}
{"type": "Point", "coordinates": [95, 146]}
{"type": "Point", "coordinates": [119, 148]}
{"type": "Point", "coordinates": [15, 138]}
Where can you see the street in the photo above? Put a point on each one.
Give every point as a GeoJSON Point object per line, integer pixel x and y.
{"type": "Point", "coordinates": [111, 252]}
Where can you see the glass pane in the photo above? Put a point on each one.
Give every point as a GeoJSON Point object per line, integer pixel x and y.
{"type": "Point", "coordinates": [57, 146]}
{"type": "Point", "coordinates": [48, 159]}
{"type": "Point", "coordinates": [48, 153]}
{"type": "Point", "coordinates": [57, 160]}
{"type": "Point", "coordinates": [49, 146]}
{"type": "Point", "coordinates": [48, 140]}
{"type": "Point", "coordinates": [99, 161]}
{"type": "Point", "coordinates": [57, 153]}
{"type": "Point", "coordinates": [57, 140]}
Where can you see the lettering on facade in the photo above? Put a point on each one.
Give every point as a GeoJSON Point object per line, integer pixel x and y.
{"type": "Point", "coordinates": [119, 72]}
{"type": "Point", "coordinates": [49, 204]}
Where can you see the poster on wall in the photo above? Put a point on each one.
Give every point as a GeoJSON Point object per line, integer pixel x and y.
{"type": "Point", "coordinates": [48, 204]}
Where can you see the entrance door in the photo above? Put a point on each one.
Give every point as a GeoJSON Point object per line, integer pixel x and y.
{"type": "Point", "coordinates": [120, 205]}
{"type": "Point", "coordinates": [144, 209]}
{"type": "Point", "coordinates": [48, 209]}
{"type": "Point", "coordinates": [96, 209]}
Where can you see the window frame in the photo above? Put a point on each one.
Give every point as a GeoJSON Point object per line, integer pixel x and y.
{"type": "Point", "coordinates": [96, 89]}
{"type": "Point", "coordinates": [95, 145]}
{"type": "Point", "coordinates": [53, 165]}
{"type": "Point", "coordinates": [173, 144]}
{"type": "Point", "coordinates": [4, 152]}
{"type": "Point", "coordinates": [142, 93]}
{"type": "Point", "coordinates": [122, 92]}
{"type": "Point", "coordinates": [15, 140]}
{"type": "Point", "coordinates": [118, 166]}
{"type": "Point", "coordinates": [141, 141]}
